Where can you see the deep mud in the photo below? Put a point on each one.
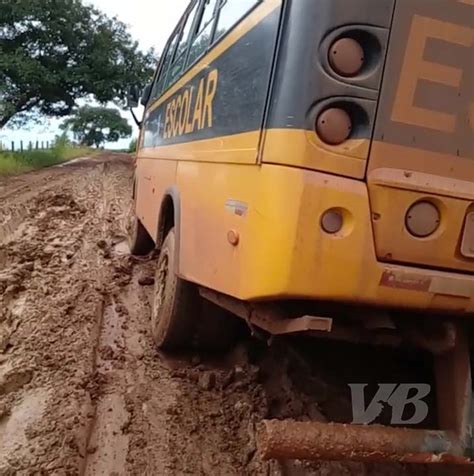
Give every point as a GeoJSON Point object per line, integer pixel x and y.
{"type": "Point", "coordinates": [82, 389]}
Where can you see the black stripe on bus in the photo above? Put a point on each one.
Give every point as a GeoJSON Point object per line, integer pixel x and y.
{"type": "Point", "coordinates": [226, 97]}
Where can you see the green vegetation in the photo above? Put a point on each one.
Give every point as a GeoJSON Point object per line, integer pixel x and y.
{"type": "Point", "coordinates": [54, 52]}
{"type": "Point", "coordinates": [12, 163]}
{"type": "Point", "coordinates": [96, 125]}
{"type": "Point", "coordinates": [132, 148]}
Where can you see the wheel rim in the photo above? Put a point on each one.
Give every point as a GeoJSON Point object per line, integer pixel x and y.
{"type": "Point", "coordinates": [161, 279]}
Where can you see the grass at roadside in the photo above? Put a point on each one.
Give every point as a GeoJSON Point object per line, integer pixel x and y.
{"type": "Point", "coordinates": [12, 163]}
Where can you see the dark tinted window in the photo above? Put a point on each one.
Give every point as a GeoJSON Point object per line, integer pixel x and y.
{"type": "Point", "coordinates": [231, 11]}
{"type": "Point", "coordinates": [203, 31]}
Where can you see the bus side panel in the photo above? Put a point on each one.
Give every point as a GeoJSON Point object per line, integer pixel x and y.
{"type": "Point", "coordinates": [214, 173]}
{"type": "Point", "coordinates": [208, 215]}
{"type": "Point", "coordinates": [214, 113]}
{"type": "Point", "coordinates": [153, 177]}
{"type": "Point", "coordinates": [250, 202]}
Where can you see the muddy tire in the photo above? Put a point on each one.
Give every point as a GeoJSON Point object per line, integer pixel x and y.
{"type": "Point", "coordinates": [176, 302]}
{"type": "Point", "coordinates": [139, 241]}
{"type": "Point", "coordinates": [181, 319]}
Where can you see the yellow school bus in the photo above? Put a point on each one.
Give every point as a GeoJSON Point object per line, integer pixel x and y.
{"type": "Point", "coordinates": [308, 166]}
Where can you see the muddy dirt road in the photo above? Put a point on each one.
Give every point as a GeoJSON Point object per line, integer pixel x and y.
{"type": "Point", "coordinates": [82, 389]}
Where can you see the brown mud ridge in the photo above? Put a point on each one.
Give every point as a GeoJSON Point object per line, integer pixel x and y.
{"type": "Point", "coordinates": [82, 389]}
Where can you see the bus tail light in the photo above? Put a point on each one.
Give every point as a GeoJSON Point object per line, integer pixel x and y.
{"type": "Point", "coordinates": [354, 55]}
{"type": "Point", "coordinates": [334, 126]}
{"type": "Point", "coordinates": [332, 221]}
{"type": "Point", "coordinates": [346, 57]}
{"type": "Point", "coordinates": [423, 219]}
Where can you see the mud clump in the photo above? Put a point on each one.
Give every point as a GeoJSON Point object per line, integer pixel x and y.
{"type": "Point", "coordinates": [146, 280]}
{"type": "Point", "coordinates": [215, 419]}
{"type": "Point", "coordinates": [14, 380]}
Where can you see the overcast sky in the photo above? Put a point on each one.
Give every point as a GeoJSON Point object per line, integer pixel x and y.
{"type": "Point", "coordinates": [150, 21]}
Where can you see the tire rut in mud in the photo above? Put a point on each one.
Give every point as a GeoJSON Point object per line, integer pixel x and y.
{"type": "Point", "coordinates": [53, 276]}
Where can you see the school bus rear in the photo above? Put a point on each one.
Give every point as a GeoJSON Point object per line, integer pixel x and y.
{"type": "Point", "coordinates": [323, 153]}
{"type": "Point", "coordinates": [376, 207]}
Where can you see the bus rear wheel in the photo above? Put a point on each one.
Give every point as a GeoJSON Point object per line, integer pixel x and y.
{"type": "Point", "coordinates": [175, 302]}
{"type": "Point", "coordinates": [139, 241]}
{"type": "Point", "coordinates": [180, 318]}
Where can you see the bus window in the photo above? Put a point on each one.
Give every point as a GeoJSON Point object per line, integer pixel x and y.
{"type": "Point", "coordinates": [231, 11]}
{"type": "Point", "coordinates": [203, 31]}
{"type": "Point", "coordinates": [157, 90]}
{"type": "Point", "coordinates": [182, 48]}
{"type": "Point", "coordinates": [207, 14]}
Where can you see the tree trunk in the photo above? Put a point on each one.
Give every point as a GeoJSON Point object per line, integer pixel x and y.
{"type": "Point", "coordinates": [22, 105]}
{"type": "Point", "coordinates": [4, 120]}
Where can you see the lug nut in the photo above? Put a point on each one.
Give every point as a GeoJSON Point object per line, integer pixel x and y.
{"type": "Point", "coordinates": [346, 57]}
{"type": "Point", "coordinates": [334, 126]}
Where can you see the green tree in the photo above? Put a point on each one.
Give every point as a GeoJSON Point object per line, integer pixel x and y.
{"type": "Point", "coordinates": [133, 145]}
{"type": "Point", "coordinates": [53, 52]}
{"type": "Point", "coordinates": [62, 140]}
{"type": "Point", "coordinates": [96, 125]}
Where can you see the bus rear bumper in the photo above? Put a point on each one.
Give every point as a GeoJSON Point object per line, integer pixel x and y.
{"type": "Point", "coordinates": [288, 254]}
